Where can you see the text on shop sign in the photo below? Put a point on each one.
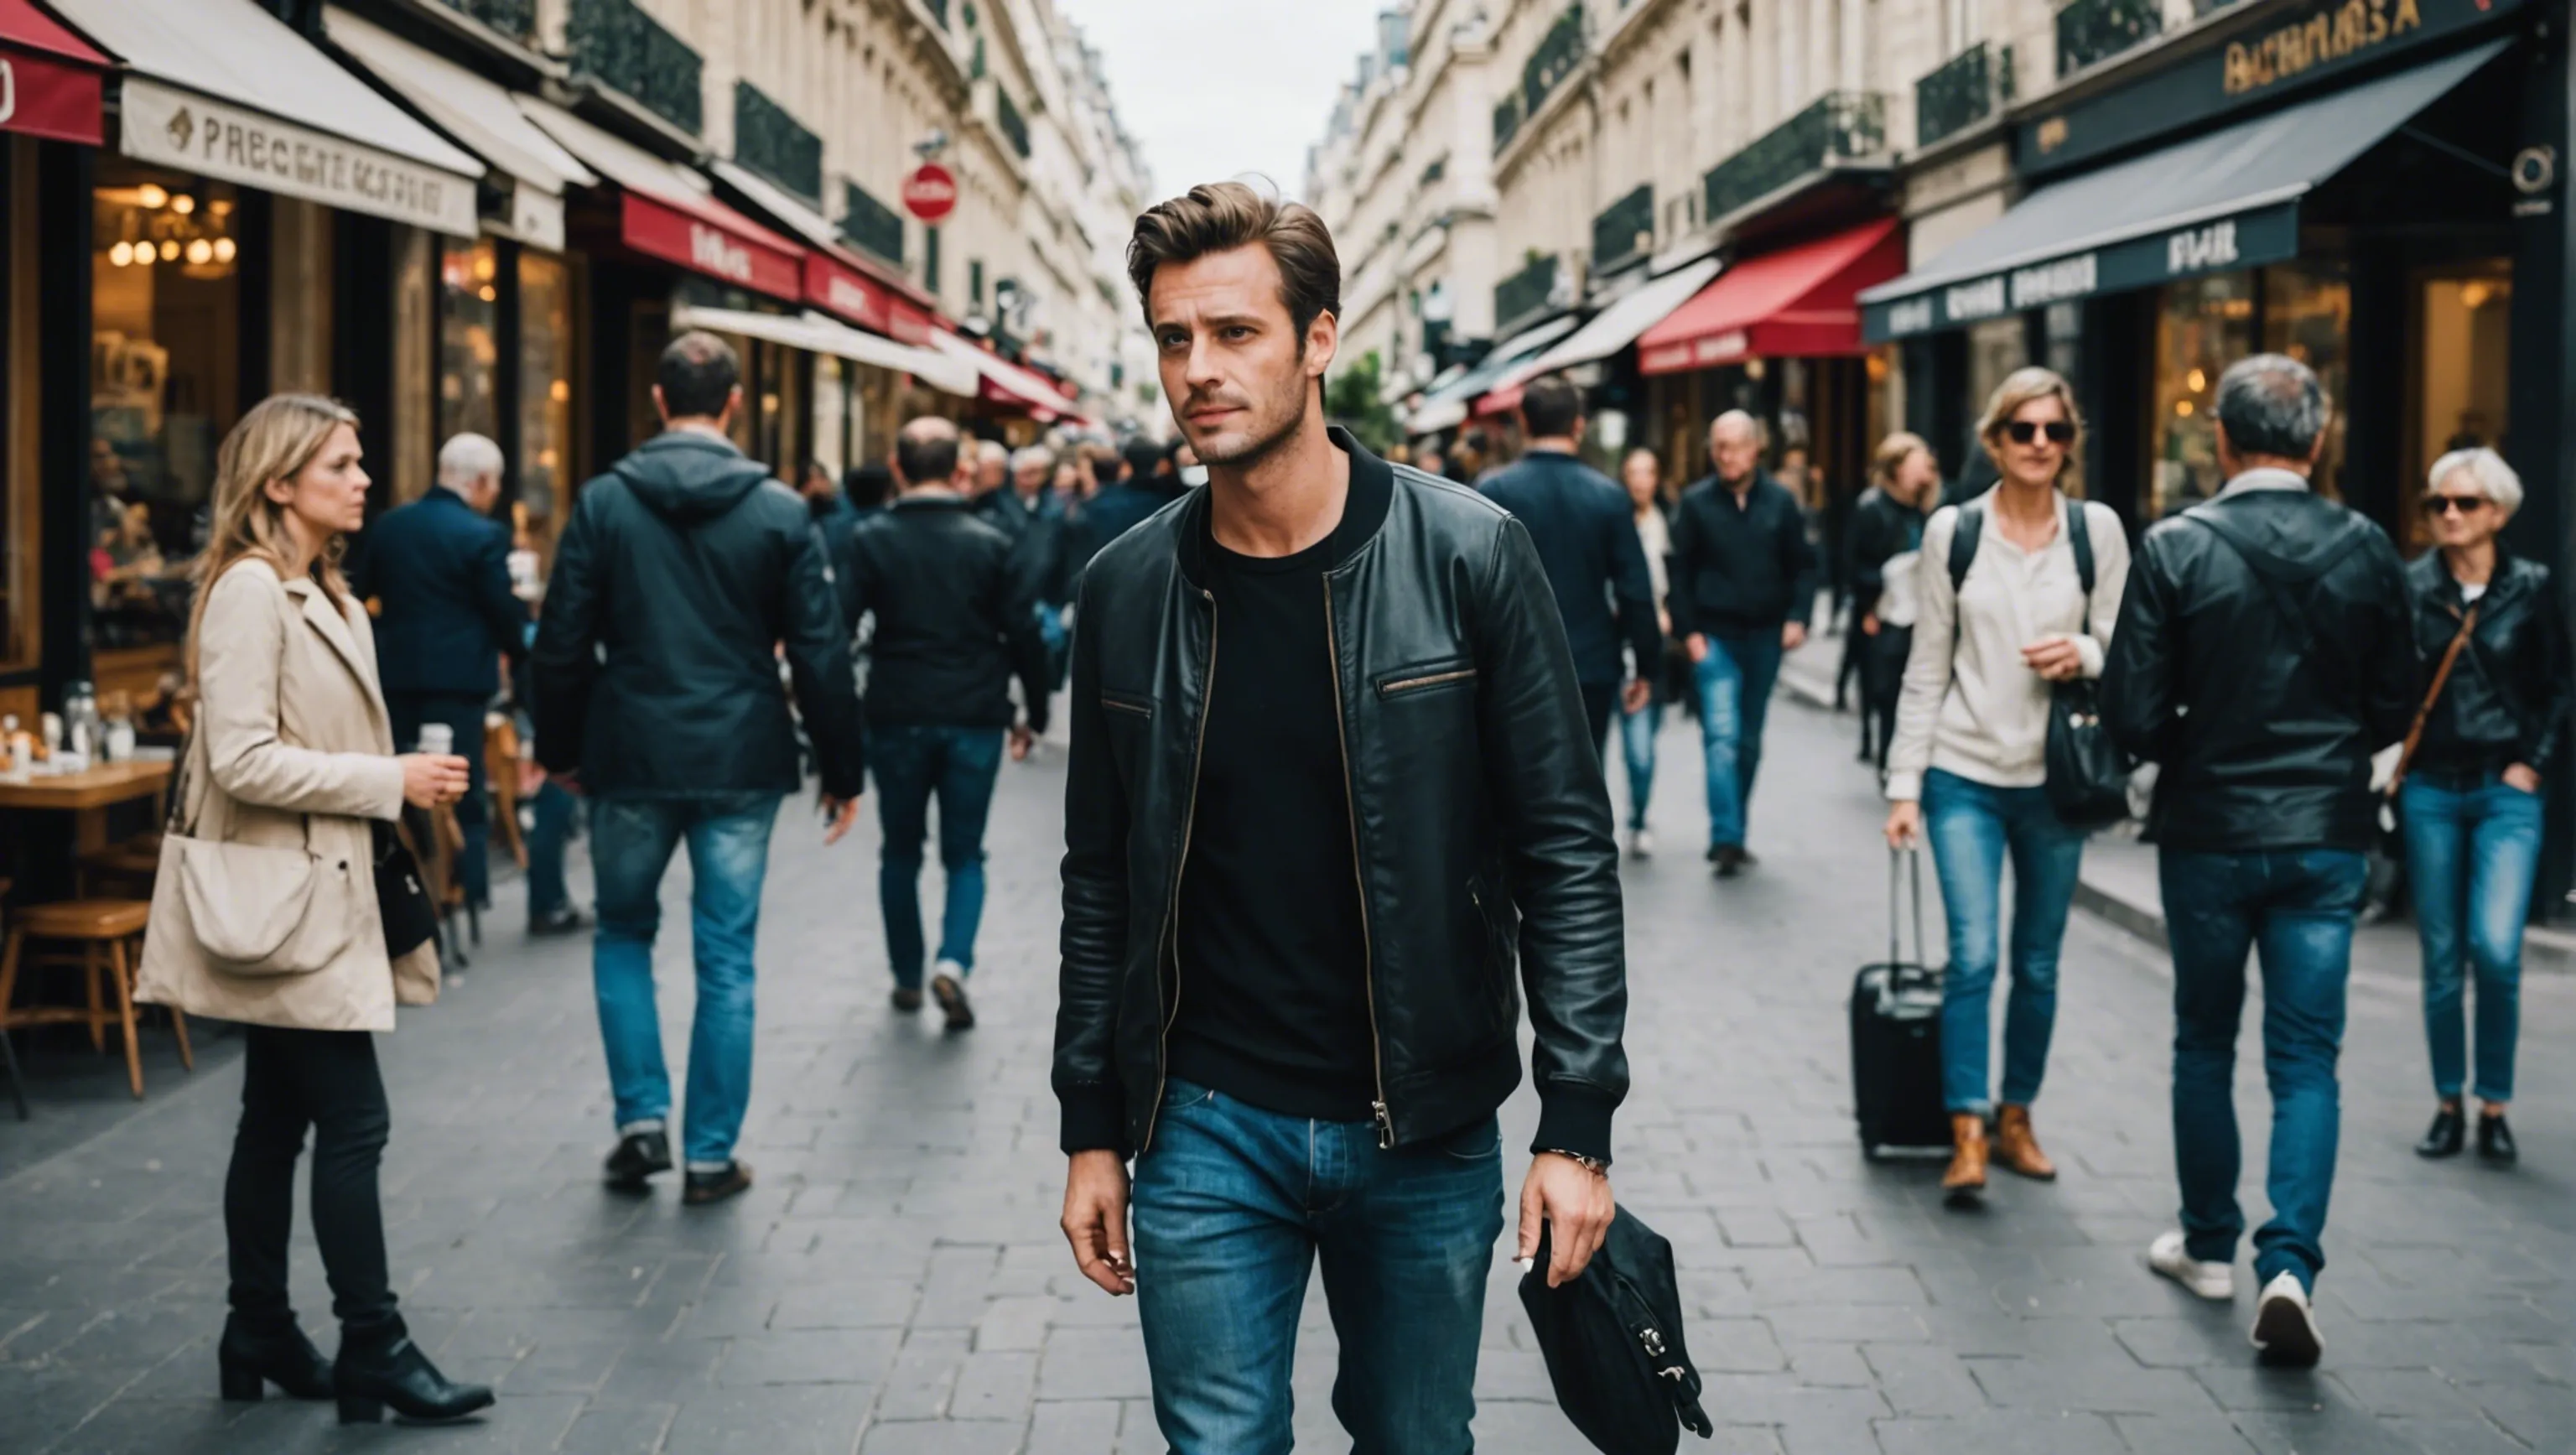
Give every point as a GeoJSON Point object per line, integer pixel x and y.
{"type": "Point", "coordinates": [2333, 33]}
{"type": "Point", "coordinates": [178, 129]}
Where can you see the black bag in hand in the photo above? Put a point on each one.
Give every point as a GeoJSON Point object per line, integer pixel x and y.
{"type": "Point", "coordinates": [1612, 1339]}
{"type": "Point", "coordinates": [410, 919]}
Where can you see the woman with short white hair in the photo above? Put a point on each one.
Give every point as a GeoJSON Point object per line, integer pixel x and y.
{"type": "Point", "coordinates": [2492, 727]}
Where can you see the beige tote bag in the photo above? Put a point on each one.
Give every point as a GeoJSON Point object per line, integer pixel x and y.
{"type": "Point", "coordinates": [252, 909]}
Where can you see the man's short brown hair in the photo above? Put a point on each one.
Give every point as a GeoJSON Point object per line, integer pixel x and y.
{"type": "Point", "coordinates": [1216, 217]}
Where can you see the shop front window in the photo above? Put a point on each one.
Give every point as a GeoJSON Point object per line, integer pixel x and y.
{"type": "Point", "coordinates": [2463, 327]}
{"type": "Point", "coordinates": [2204, 325]}
{"type": "Point", "coordinates": [165, 384]}
{"type": "Point", "coordinates": [469, 331]}
{"type": "Point", "coordinates": [2307, 314]}
{"type": "Point", "coordinates": [544, 466]}
{"type": "Point", "coordinates": [20, 466]}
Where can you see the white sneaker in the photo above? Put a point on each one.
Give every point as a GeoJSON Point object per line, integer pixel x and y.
{"type": "Point", "coordinates": [2168, 1256]}
{"type": "Point", "coordinates": [1641, 844]}
{"type": "Point", "coordinates": [2285, 1327]}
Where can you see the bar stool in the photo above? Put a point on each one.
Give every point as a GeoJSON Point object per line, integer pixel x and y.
{"type": "Point", "coordinates": [108, 932]}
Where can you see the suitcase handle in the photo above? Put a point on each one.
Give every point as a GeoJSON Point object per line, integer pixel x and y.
{"type": "Point", "coordinates": [1913, 860]}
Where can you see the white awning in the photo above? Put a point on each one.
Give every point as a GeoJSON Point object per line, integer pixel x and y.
{"type": "Point", "coordinates": [1010, 383]}
{"type": "Point", "coordinates": [784, 207]}
{"type": "Point", "coordinates": [1618, 325]}
{"type": "Point", "coordinates": [223, 89]}
{"type": "Point", "coordinates": [615, 158]}
{"type": "Point", "coordinates": [817, 334]}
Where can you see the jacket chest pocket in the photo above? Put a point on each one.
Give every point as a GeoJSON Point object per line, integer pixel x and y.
{"type": "Point", "coordinates": [1426, 679]}
{"type": "Point", "coordinates": [1128, 721]}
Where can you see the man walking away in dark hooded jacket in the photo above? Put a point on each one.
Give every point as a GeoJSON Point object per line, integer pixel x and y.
{"type": "Point", "coordinates": [683, 573]}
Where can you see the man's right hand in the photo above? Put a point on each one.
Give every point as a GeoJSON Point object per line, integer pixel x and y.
{"type": "Point", "coordinates": [1095, 1219]}
{"type": "Point", "coordinates": [1869, 624]}
{"type": "Point", "coordinates": [1697, 645]}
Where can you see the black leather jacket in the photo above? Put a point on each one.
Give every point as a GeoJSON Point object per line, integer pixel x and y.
{"type": "Point", "coordinates": [2507, 698]}
{"type": "Point", "coordinates": [1482, 821]}
{"type": "Point", "coordinates": [2262, 696]}
{"type": "Point", "coordinates": [951, 595]}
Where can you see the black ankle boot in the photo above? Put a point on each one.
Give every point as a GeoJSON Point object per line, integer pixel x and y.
{"type": "Point", "coordinates": [380, 1366]}
{"type": "Point", "coordinates": [2495, 1139]}
{"type": "Point", "coordinates": [2444, 1137]}
{"type": "Point", "coordinates": [250, 1359]}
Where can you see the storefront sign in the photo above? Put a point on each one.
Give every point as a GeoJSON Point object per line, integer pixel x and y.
{"type": "Point", "coordinates": [836, 288]}
{"type": "Point", "coordinates": [930, 193]}
{"type": "Point", "coordinates": [2248, 239]}
{"type": "Point", "coordinates": [2286, 49]}
{"type": "Point", "coordinates": [661, 231]}
{"type": "Point", "coordinates": [48, 98]}
{"type": "Point", "coordinates": [532, 216]}
{"type": "Point", "coordinates": [184, 130]}
{"type": "Point", "coordinates": [909, 324]}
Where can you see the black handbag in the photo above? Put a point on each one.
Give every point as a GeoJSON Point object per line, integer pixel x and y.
{"type": "Point", "coordinates": [402, 900]}
{"type": "Point", "coordinates": [1612, 1340]}
{"type": "Point", "coordinates": [2088, 775]}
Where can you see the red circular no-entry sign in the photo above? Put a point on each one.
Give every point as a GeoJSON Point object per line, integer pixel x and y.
{"type": "Point", "coordinates": [930, 193]}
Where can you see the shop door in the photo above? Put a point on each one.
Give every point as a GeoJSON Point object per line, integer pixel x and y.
{"type": "Point", "coordinates": [2462, 326]}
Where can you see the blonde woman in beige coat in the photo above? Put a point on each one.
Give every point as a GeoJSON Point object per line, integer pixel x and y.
{"type": "Point", "coordinates": [293, 747]}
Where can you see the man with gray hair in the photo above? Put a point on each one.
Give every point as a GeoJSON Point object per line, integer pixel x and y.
{"type": "Point", "coordinates": [440, 574]}
{"type": "Point", "coordinates": [1034, 515]}
{"type": "Point", "coordinates": [2262, 656]}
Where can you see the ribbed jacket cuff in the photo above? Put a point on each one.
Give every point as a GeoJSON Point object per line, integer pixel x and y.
{"type": "Point", "coordinates": [1573, 1118]}
{"type": "Point", "coordinates": [1095, 1118]}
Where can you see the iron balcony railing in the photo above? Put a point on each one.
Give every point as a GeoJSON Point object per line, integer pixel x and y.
{"type": "Point", "coordinates": [1839, 126]}
{"type": "Point", "coordinates": [2089, 31]}
{"type": "Point", "coordinates": [1624, 229]}
{"type": "Point", "coordinates": [871, 224]}
{"type": "Point", "coordinates": [938, 11]}
{"type": "Point", "coordinates": [1524, 293]}
{"type": "Point", "coordinates": [1558, 53]}
{"type": "Point", "coordinates": [775, 144]}
{"type": "Point", "coordinates": [617, 44]}
{"type": "Point", "coordinates": [1507, 121]}
{"type": "Point", "coordinates": [516, 18]}
{"type": "Point", "coordinates": [1007, 116]}
{"type": "Point", "coordinates": [1964, 90]}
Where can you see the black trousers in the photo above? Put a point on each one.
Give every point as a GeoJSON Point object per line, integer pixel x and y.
{"type": "Point", "coordinates": [327, 1080]}
{"type": "Point", "coordinates": [1600, 708]}
{"type": "Point", "coordinates": [1882, 681]}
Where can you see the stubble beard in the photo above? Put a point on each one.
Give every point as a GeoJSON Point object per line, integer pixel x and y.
{"type": "Point", "coordinates": [1256, 446]}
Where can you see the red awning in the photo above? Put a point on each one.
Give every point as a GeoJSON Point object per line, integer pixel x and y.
{"type": "Point", "coordinates": [50, 79]}
{"type": "Point", "coordinates": [1800, 302]}
{"type": "Point", "coordinates": [837, 288]}
{"type": "Point", "coordinates": [912, 324]}
{"type": "Point", "coordinates": [704, 235]}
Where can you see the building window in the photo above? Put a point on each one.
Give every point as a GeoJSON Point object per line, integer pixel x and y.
{"type": "Point", "coordinates": [2307, 314]}
{"type": "Point", "coordinates": [20, 465]}
{"type": "Point", "coordinates": [2204, 325]}
{"type": "Point", "coordinates": [2462, 325]}
{"type": "Point", "coordinates": [975, 281]}
{"type": "Point", "coordinates": [545, 463]}
{"type": "Point", "coordinates": [469, 332]}
{"type": "Point", "coordinates": [165, 385]}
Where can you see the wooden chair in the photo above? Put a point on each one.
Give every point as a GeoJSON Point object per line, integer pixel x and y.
{"type": "Point", "coordinates": [126, 869]}
{"type": "Point", "coordinates": [501, 771]}
{"type": "Point", "coordinates": [8, 1053]}
{"type": "Point", "coordinates": [109, 934]}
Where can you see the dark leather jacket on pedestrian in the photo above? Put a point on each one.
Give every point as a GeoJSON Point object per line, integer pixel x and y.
{"type": "Point", "coordinates": [1483, 826]}
{"type": "Point", "coordinates": [1881, 526]}
{"type": "Point", "coordinates": [1741, 570]}
{"type": "Point", "coordinates": [1043, 535]}
{"type": "Point", "coordinates": [951, 594]}
{"type": "Point", "coordinates": [2262, 696]}
{"type": "Point", "coordinates": [682, 571]}
{"type": "Point", "coordinates": [2508, 697]}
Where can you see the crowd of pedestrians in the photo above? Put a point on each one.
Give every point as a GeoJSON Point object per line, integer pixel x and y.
{"type": "Point", "coordinates": [1336, 801]}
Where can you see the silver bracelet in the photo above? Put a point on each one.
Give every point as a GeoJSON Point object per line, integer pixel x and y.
{"type": "Point", "coordinates": [1598, 1167]}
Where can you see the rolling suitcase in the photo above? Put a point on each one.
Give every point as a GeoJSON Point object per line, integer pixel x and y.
{"type": "Point", "coordinates": [1896, 1040]}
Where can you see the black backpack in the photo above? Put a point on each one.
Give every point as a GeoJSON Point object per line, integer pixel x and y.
{"type": "Point", "coordinates": [1612, 1339]}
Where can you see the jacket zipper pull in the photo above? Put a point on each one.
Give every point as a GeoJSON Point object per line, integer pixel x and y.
{"type": "Point", "coordinates": [1385, 1126]}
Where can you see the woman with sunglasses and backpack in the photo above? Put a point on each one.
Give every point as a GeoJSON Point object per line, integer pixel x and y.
{"type": "Point", "coordinates": [266, 911]}
{"type": "Point", "coordinates": [1999, 620]}
{"type": "Point", "coordinates": [2490, 631]}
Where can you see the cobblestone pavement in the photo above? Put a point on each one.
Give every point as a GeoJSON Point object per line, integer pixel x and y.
{"type": "Point", "coordinates": [895, 1282]}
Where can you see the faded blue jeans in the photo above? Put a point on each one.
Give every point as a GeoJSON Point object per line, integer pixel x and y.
{"type": "Point", "coordinates": [1637, 743]}
{"type": "Point", "coordinates": [1973, 827]}
{"type": "Point", "coordinates": [912, 765]}
{"type": "Point", "coordinates": [2296, 908]}
{"type": "Point", "coordinates": [1232, 1206]}
{"type": "Point", "coordinates": [1734, 682]}
{"type": "Point", "coordinates": [2472, 849]}
{"type": "Point", "coordinates": [631, 843]}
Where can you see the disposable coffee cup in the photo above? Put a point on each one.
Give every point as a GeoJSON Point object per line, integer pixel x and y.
{"type": "Point", "coordinates": [437, 739]}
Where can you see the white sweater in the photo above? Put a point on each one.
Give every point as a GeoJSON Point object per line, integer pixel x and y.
{"type": "Point", "coordinates": [1971, 706]}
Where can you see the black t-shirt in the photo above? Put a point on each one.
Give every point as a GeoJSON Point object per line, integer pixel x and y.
{"type": "Point", "coordinates": [1273, 949]}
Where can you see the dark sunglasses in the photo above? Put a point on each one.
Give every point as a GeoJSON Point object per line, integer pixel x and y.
{"type": "Point", "coordinates": [2445, 504]}
{"type": "Point", "coordinates": [2023, 431]}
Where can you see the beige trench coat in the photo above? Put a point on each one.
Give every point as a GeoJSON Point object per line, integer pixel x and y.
{"type": "Point", "coordinates": [293, 724]}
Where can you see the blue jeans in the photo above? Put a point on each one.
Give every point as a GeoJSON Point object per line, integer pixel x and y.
{"type": "Point", "coordinates": [2472, 848]}
{"type": "Point", "coordinates": [631, 842]}
{"type": "Point", "coordinates": [1637, 741]}
{"type": "Point", "coordinates": [2296, 906]}
{"type": "Point", "coordinates": [1232, 1205]}
{"type": "Point", "coordinates": [1734, 682]}
{"type": "Point", "coordinates": [911, 764]}
{"type": "Point", "coordinates": [547, 892]}
{"type": "Point", "coordinates": [1972, 827]}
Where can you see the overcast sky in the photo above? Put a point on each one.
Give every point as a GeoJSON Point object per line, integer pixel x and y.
{"type": "Point", "coordinates": [1213, 88]}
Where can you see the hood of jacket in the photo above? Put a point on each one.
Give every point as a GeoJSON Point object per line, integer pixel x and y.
{"type": "Point", "coordinates": [687, 476]}
{"type": "Point", "coordinates": [2292, 536]}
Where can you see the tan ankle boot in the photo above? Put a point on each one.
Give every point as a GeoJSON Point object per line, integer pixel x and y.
{"type": "Point", "coordinates": [1967, 1172]}
{"type": "Point", "coordinates": [2017, 1146]}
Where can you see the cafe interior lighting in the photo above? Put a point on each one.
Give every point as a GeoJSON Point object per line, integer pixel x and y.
{"type": "Point", "coordinates": [201, 252]}
{"type": "Point", "coordinates": [152, 195]}
{"type": "Point", "coordinates": [183, 204]}
{"type": "Point", "coordinates": [120, 253]}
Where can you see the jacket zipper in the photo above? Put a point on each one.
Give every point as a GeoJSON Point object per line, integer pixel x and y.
{"type": "Point", "coordinates": [1172, 913]}
{"type": "Point", "coordinates": [1437, 679]}
{"type": "Point", "coordinates": [1384, 1118]}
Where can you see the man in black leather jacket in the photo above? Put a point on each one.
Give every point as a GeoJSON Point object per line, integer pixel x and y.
{"type": "Point", "coordinates": [683, 571]}
{"type": "Point", "coordinates": [2263, 655]}
{"type": "Point", "coordinates": [1330, 781]}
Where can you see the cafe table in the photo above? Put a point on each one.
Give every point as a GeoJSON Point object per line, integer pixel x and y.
{"type": "Point", "coordinates": [88, 794]}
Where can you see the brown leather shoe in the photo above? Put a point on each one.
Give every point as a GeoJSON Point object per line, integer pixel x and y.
{"type": "Point", "coordinates": [2017, 1146]}
{"type": "Point", "coordinates": [1967, 1175]}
